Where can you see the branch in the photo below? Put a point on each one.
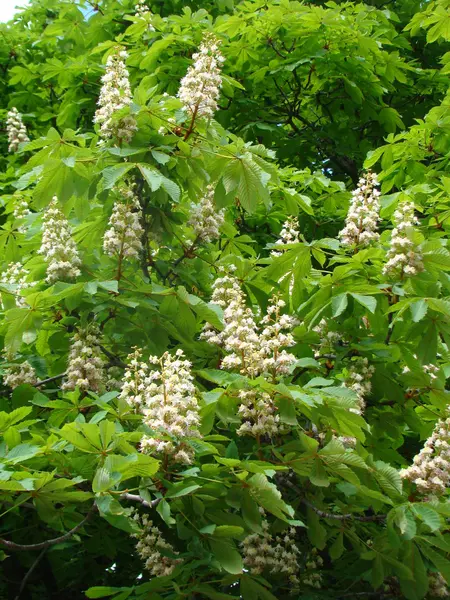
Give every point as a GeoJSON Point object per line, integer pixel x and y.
{"type": "Point", "coordinates": [44, 545]}
{"type": "Point", "coordinates": [327, 515]}
{"type": "Point", "coordinates": [135, 498]}
{"type": "Point", "coordinates": [115, 361]}
{"type": "Point", "coordinates": [29, 573]}
{"type": "Point", "coordinates": [49, 380]}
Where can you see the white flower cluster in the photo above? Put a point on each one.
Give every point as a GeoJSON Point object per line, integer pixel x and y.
{"type": "Point", "coordinates": [58, 247]}
{"type": "Point", "coordinates": [167, 399]}
{"type": "Point", "coordinates": [363, 214]}
{"type": "Point", "coordinates": [19, 374]}
{"type": "Point", "coordinates": [85, 364]}
{"type": "Point", "coordinates": [250, 352]}
{"type": "Point", "coordinates": [279, 554]}
{"type": "Point", "coordinates": [16, 275]}
{"type": "Point", "coordinates": [205, 220]}
{"type": "Point", "coordinates": [328, 339]}
{"type": "Point", "coordinates": [312, 575]}
{"type": "Point", "coordinates": [258, 414]}
{"type": "Point", "coordinates": [288, 235]}
{"type": "Point", "coordinates": [404, 259]}
{"type": "Point", "coordinates": [276, 334]}
{"type": "Point", "coordinates": [430, 470]}
{"type": "Point", "coordinates": [431, 370]}
{"type": "Point", "coordinates": [115, 95]}
{"type": "Point", "coordinates": [21, 208]}
{"type": "Point", "coordinates": [123, 236]}
{"type": "Point", "coordinates": [239, 336]}
{"type": "Point", "coordinates": [358, 379]}
{"type": "Point", "coordinates": [437, 586]}
{"type": "Point", "coordinates": [16, 130]}
{"type": "Point", "coordinates": [149, 546]}
{"type": "Point", "coordinates": [200, 87]}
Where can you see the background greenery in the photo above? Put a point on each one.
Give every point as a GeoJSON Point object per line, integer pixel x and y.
{"type": "Point", "coordinates": [313, 94]}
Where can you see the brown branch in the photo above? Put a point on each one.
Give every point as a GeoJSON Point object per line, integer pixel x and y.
{"type": "Point", "coordinates": [136, 498]}
{"type": "Point", "coordinates": [49, 379]}
{"type": "Point", "coordinates": [44, 545]}
{"type": "Point", "coordinates": [115, 360]}
{"type": "Point", "coordinates": [327, 515]}
{"type": "Point", "coordinates": [29, 573]}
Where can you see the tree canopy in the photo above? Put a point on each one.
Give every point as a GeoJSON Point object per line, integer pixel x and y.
{"type": "Point", "coordinates": [225, 300]}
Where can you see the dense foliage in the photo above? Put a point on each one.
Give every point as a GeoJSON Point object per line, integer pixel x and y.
{"type": "Point", "coordinates": [225, 300]}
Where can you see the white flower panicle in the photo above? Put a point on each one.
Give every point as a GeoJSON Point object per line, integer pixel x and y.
{"type": "Point", "coordinates": [288, 235]}
{"type": "Point", "coordinates": [58, 247]}
{"type": "Point", "coordinates": [200, 87]}
{"type": "Point", "coordinates": [167, 399]}
{"type": "Point", "coordinates": [273, 554]}
{"type": "Point", "coordinates": [363, 215]}
{"type": "Point", "coordinates": [149, 546]}
{"type": "Point", "coordinates": [16, 130]}
{"type": "Point", "coordinates": [403, 257]}
{"type": "Point", "coordinates": [250, 351]}
{"type": "Point", "coordinates": [437, 586]}
{"type": "Point", "coordinates": [312, 576]}
{"type": "Point", "coordinates": [239, 336]}
{"type": "Point", "coordinates": [19, 374]}
{"type": "Point", "coordinates": [205, 219]}
{"type": "Point", "coordinates": [135, 380]}
{"type": "Point", "coordinates": [123, 236]}
{"type": "Point", "coordinates": [358, 380]}
{"type": "Point", "coordinates": [85, 364]}
{"type": "Point", "coordinates": [275, 336]}
{"type": "Point", "coordinates": [430, 470]}
{"type": "Point", "coordinates": [21, 208]}
{"type": "Point", "coordinates": [16, 275]}
{"type": "Point", "coordinates": [115, 95]}
{"type": "Point", "coordinates": [328, 339]}
{"type": "Point", "coordinates": [258, 414]}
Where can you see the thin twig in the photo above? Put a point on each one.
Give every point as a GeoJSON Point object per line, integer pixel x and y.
{"type": "Point", "coordinates": [136, 498]}
{"type": "Point", "coordinates": [29, 573]}
{"type": "Point", "coordinates": [114, 359]}
{"type": "Point", "coordinates": [49, 379]}
{"type": "Point", "coordinates": [44, 545]}
{"type": "Point", "coordinates": [327, 515]}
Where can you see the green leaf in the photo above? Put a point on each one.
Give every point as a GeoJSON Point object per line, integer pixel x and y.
{"type": "Point", "coordinates": [367, 301]}
{"type": "Point", "coordinates": [111, 175]}
{"type": "Point", "coordinates": [227, 556]}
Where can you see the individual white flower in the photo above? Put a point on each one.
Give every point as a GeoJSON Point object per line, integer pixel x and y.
{"type": "Point", "coordinates": [166, 396]}
{"type": "Point", "coordinates": [363, 214]}
{"type": "Point", "coordinates": [258, 414]}
{"type": "Point", "coordinates": [123, 236]}
{"type": "Point", "coordinates": [403, 257]}
{"type": "Point", "coordinates": [200, 87]}
{"type": "Point", "coordinates": [85, 364]}
{"type": "Point", "coordinates": [430, 470]}
{"type": "Point", "coordinates": [263, 552]}
{"type": "Point", "coordinates": [288, 235]}
{"type": "Point", "coordinates": [275, 336]}
{"type": "Point", "coordinates": [58, 247]}
{"type": "Point", "coordinates": [16, 275]}
{"type": "Point", "coordinates": [149, 546]}
{"type": "Point", "coordinates": [115, 95]}
{"type": "Point", "coordinates": [19, 374]}
{"type": "Point", "coordinates": [205, 219]}
{"type": "Point", "coordinates": [16, 130]}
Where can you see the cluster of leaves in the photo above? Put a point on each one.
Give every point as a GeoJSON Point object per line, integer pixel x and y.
{"type": "Point", "coordinates": [315, 88]}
